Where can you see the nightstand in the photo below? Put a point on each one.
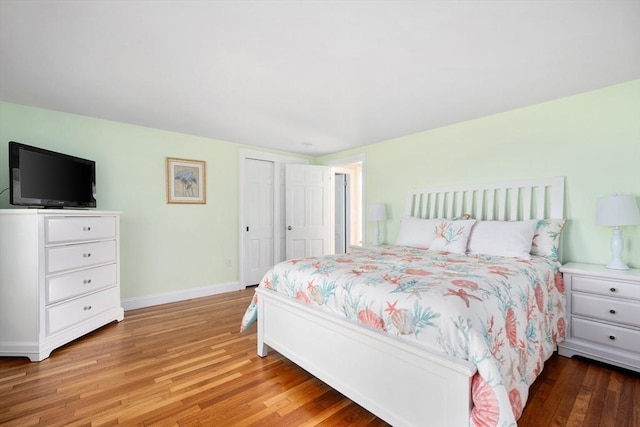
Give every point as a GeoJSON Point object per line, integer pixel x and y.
{"type": "Point", "coordinates": [603, 314]}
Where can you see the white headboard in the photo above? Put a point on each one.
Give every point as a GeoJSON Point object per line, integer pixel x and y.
{"type": "Point", "coordinates": [510, 201]}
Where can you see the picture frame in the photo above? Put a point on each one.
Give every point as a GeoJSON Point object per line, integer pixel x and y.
{"type": "Point", "coordinates": [186, 181]}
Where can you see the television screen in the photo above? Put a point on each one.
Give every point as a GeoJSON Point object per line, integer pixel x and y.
{"type": "Point", "coordinates": [47, 178]}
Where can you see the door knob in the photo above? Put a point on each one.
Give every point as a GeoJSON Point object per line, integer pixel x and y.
{"type": "Point", "coordinates": [289, 228]}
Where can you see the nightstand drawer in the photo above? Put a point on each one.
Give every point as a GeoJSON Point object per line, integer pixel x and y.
{"type": "Point", "coordinates": [606, 287]}
{"type": "Point", "coordinates": [609, 309]}
{"type": "Point", "coordinates": [608, 335]}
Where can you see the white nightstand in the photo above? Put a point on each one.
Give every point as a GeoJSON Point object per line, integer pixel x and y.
{"type": "Point", "coordinates": [603, 314]}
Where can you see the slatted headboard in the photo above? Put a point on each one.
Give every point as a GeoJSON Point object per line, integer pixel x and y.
{"type": "Point", "coordinates": [515, 200]}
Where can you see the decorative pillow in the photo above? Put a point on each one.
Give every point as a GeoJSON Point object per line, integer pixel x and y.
{"type": "Point", "coordinates": [416, 232]}
{"type": "Point", "coordinates": [546, 238]}
{"type": "Point", "coordinates": [502, 238]}
{"type": "Point", "coordinates": [451, 236]}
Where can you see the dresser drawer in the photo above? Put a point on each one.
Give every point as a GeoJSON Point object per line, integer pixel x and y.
{"type": "Point", "coordinates": [80, 282]}
{"type": "Point", "coordinates": [79, 256]}
{"type": "Point", "coordinates": [70, 313]}
{"type": "Point", "coordinates": [613, 310]}
{"type": "Point", "coordinates": [75, 229]}
{"type": "Point", "coordinates": [606, 287]}
{"type": "Point", "coordinates": [611, 336]}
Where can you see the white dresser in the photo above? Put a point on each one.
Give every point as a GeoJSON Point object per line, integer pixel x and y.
{"type": "Point", "coordinates": [603, 314]}
{"type": "Point", "coordinates": [59, 277]}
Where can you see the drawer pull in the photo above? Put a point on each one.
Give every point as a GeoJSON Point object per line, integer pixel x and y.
{"type": "Point", "coordinates": [86, 228]}
{"type": "Point", "coordinates": [613, 289]}
{"type": "Point", "coordinates": [87, 255]}
{"type": "Point", "coordinates": [612, 311]}
{"type": "Point", "coordinates": [612, 338]}
{"type": "Point", "coordinates": [86, 281]}
{"type": "Point", "coordinates": [88, 307]}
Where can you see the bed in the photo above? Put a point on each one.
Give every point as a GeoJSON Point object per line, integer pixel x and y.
{"type": "Point", "coordinates": [448, 327]}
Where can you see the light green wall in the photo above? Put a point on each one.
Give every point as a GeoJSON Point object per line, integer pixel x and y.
{"type": "Point", "coordinates": [593, 139]}
{"type": "Point", "coordinates": [164, 247]}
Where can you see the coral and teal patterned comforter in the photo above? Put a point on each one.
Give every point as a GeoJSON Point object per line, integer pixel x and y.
{"type": "Point", "coordinates": [505, 315]}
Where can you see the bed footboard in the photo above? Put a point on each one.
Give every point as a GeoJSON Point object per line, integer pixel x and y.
{"type": "Point", "coordinates": [400, 383]}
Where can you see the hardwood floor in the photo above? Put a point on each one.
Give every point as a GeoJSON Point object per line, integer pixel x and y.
{"type": "Point", "coordinates": [186, 364]}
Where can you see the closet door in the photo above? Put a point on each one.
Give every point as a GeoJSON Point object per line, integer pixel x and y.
{"type": "Point", "coordinates": [258, 219]}
{"type": "Point", "coordinates": [308, 211]}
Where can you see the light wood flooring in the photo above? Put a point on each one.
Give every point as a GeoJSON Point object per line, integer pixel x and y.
{"type": "Point", "coordinates": [186, 363]}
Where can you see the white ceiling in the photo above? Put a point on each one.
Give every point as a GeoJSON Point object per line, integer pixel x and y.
{"type": "Point", "coordinates": [310, 77]}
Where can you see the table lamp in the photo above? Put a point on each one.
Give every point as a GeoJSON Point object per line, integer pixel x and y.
{"type": "Point", "coordinates": [617, 211]}
{"type": "Point", "coordinates": [377, 213]}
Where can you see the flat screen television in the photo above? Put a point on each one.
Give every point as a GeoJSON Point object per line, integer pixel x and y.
{"type": "Point", "coordinates": [44, 178]}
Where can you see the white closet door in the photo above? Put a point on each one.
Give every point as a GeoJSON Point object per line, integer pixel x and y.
{"type": "Point", "coordinates": [258, 221]}
{"type": "Point", "coordinates": [308, 211]}
{"type": "Point", "coordinates": [281, 205]}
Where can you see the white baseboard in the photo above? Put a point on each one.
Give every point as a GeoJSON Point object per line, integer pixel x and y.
{"type": "Point", "coordinates": [174, 296]}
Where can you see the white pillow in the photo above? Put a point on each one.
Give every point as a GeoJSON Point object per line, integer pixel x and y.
{"type": "Point", "coordinates": [416, 232]}
{"type": "Point", "coordinates": [451, 235]}
{"type": "Point", "coordinates": [502, 238]}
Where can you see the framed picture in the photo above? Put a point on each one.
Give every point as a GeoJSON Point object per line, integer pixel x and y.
{"type": "Point", "coordinates": [186, 181]}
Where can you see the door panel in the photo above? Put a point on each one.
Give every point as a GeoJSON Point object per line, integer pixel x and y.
{"type": "Point", "coordinates": [308, 211]}
{"type": "Point", "coordinates": [282, 236]}
{"type": "Point", "coordinates": [316, 247]}
{"type": "Point", "coordinates": [259, 187]}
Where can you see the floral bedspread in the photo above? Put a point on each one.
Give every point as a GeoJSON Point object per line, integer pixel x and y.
{"type": "Point", "coordinates": [505, 315]}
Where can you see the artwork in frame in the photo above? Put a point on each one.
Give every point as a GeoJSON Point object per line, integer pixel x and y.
{"type": "Point", "coordinates": [186, 181]}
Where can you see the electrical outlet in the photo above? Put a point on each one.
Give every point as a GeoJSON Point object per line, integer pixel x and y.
{"type": "Point", "coordinates": [229, 263]}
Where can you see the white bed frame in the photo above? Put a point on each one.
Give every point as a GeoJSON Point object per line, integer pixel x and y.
{"type": "Point", "coordinates": [403, 384]}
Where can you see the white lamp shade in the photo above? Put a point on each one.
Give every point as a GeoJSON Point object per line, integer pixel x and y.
{"type": "Point", "coordinates": [617, 210]}
{"type": "Point", "coordinates": [377, 212]}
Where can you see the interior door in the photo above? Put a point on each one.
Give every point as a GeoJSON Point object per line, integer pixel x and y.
{"type": "Point", "coordinates": [308, 211]}
{"type": "Point", "coordinates": [258, 219]}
